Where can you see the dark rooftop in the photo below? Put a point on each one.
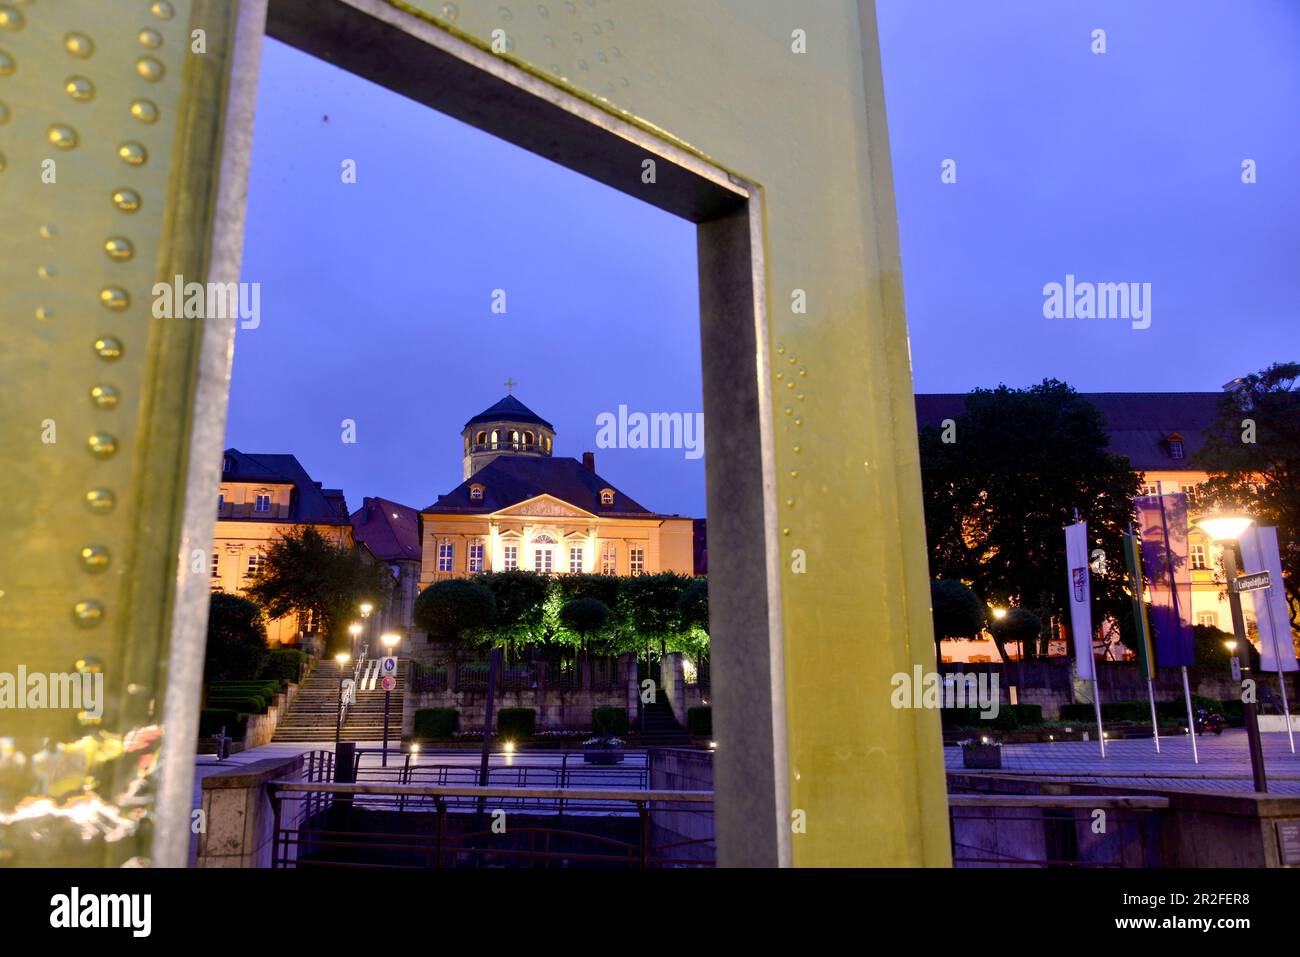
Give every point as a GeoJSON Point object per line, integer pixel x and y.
{"type": "Point", "coordinates": [511, 479]}
{"type": "Point", "coordinates": [308, 503]}
{"type": "Point", "coordinates": [509, 409]}
{"type": "Point", "coordinates": [391, 531]}
{"type": "Point", "coordinates": [1138, 423]}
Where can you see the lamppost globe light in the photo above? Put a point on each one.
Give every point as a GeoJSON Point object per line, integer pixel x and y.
{"type": "Point", "coordinates": [390, 639]}
{"type": "Point", "coordinates": [366, 609]}
{"type": "Point", "coordinates": [999, 613]}
{"type": "Point", "coordinates": [342, 657]}
{"type": "Point", "coordinates": [354, 630]}
{"type": "Point", "coordinates": [1231, 645]}
{"type": "Point", "coordinates": [1225, 526]}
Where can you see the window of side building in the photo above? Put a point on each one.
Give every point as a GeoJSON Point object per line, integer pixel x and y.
{"type": "Point", "coordinates": [636, 560]}
{"type": "Point", "coordinates": [475, 556]}
{"type": "Point", "coordinates": [575, 559]}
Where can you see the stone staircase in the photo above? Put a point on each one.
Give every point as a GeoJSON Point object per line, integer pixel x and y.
{"type": "Point", "coordinates": [314, 712]}
{"type": "Point", "coordinates": [662, 729]}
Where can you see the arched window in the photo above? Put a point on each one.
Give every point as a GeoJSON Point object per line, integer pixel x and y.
{"type": "Point", "coordinates": [514, 438]}
{"type": "Point", "coordinates": [607, 496]}
{"type": "Point", "coordinates": [528, 441]}
{"type": "Point", "coordinates": [481, 439]}
{"type": "Point", "coordinates": [496, 438]}
{"type": "Point", "coordinates": [476, 493]}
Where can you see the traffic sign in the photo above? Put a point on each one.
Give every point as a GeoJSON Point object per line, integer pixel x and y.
{"type": "Point", "coordinates": [388, 682]}
{"type": "Point", "coordinates": [388, 666]}
{"type": "Point", "coordinates": [1255, 581]}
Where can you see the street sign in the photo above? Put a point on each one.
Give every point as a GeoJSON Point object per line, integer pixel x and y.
{"type": "Point", "coordinates": [388, 683]}
{"type": "Point", "coordinates": [388, 666]}
{"type": "Point", "coordinates": [1255, 581]}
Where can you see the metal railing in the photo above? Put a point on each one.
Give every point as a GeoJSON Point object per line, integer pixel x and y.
{"type": "Point", "coordinates": [1036, 830]}
{"type": "Point", "coordinates": [606, 768]}
{"type": "Point", "coordinates": [392, 825]}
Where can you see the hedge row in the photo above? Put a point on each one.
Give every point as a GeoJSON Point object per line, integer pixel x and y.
{"type": "Point", "coordinates": [516, 723]}
{"type": "Point", "coordinates": [1140, 711]}
{"type": "Point", "coordinates": [1009, 717]}
{"type": "Point", "coordinates": [436, 723]}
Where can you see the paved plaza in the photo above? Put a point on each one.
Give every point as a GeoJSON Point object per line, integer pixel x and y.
{"type": "Point", "coordinates": [1224, 762]}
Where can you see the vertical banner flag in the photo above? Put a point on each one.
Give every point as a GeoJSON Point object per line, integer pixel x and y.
{"type": "Point", "coordinates": [1162, 523]}
{"type": "Point", "coordinates": [1259, 553]}
{"type": "Point", "coordinates": [1076, 565]}
{"type": "Point", "coordinates": [1142, 626]}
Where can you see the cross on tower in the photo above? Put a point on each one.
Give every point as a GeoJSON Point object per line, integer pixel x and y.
{"type": "Point", "coordinates": [510, 385]}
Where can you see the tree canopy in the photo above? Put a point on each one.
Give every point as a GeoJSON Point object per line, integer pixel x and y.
{"type": "Point", "coordinates": [236, 639]}
{"type": "Point", "coordinates": [1002, 482]}
{"type": "Point", "coordinates": [455, 609]}
{"type": "Point", "coordinates": [304, 572]}
{"type": "Point", "coordinates": [958, 611]}
{"type": "Point", "coordinates": [1252, 453]}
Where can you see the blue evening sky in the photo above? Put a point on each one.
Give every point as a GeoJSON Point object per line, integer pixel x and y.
{"type": "Point", "coordinates": [1118, 167]}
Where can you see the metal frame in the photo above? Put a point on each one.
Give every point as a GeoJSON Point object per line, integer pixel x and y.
{"type": "Point", "coordinates": [428, 62]}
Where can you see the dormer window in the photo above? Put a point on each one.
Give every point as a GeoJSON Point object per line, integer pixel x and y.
{"type": "Point", "coordinates": [262, 503]}
{"type": "Point", "coordinates": [1176, 450]}
{"type": "Point", "coordinates": [476, 493]}
{"type": "Point", "coordinates": [607, 496]}
{"type": "Point", "coordinates": [227, 464]}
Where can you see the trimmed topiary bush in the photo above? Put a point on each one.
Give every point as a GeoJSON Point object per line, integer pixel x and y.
{"type": "Point", "coordinates": [700, 721]}
{"type": "Point", "coordinates": [609, 721]}
{"type": "Point", "coordinates": [516, 723]}
{"type": "Point", "coordinates": [436, 723]}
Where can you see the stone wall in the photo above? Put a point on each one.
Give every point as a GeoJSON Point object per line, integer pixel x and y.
{"type": "Point", "coordinates": [238, 823]}
{"type": "Point", "coordinates": [555, 709]}
{"type": "Point", "coordinates": [689, 831]}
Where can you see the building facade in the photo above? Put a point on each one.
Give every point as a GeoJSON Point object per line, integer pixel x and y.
{"type": "Point", "coordinates": [520, 507]}
{"type": "Point", "coordinates": [1160, 433]}
{"type": "Point", "coordinates": [390, 532]}
{"type": "Point", "coordinates": [264, 497]}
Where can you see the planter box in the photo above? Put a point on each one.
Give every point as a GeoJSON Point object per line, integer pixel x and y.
{"type": "Point", "coordinates": [987, 756]}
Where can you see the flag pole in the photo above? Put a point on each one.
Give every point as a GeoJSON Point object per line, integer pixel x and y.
{"type": "Point", "coordinates": [1143, 628]}
{"type": "Point", "coordinates": [1191, 721]}
{"type": "Point", "coordinates": [1173, 596]}
{"type": "Point", "coordinates": [1096, 690]}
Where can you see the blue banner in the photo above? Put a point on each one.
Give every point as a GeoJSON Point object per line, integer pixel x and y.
{"type": "Point", "coordinates": [1162, 526]}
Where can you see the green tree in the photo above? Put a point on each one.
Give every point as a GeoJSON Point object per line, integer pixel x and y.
{"type": "Point", "coordinates": [1252, 452]}
{"type": "Point", "coordinates": [236, 639]}
{"type": "Point", "coordinates": [585, 617]}
{"type": "Point", "coordinates": [650, 614]}
{"type": "Point", "coordinates": [998, 495]}
{"type": "Point", "coordinates": [957, 611]}
{"type": "Point", "coordinates": [455, 609]}
{"type": "Point", "coordinates": [304, 572]}
{"type": "Point", "coordinates": [521, 602]}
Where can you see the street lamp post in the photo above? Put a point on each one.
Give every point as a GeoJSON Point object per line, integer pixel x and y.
{"type": "Point", "coordinates": [342, 658]}
{"type": "Point", "coordinates": [1226, 529]}
{"type": "Point", "coordinates": [366, 609]}
{"type": "Point", "coordinates": [354, 629]}
{"type": "Point", "coordinates": [390, 641]}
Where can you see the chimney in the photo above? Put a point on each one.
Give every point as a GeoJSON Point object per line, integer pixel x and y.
{"type": "Point", "coordinates": [589, 461]}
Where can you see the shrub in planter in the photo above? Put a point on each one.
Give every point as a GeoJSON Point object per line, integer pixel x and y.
{"type": "Point", "coordinates": [436, 722]}
{"type": "Point", "coordinates": [976, 753]}
{"type": "Point", "coordinates": [609, 721]}
{"type": "Point", "coordinates": [516, 723]}
{"type": "Point", "coordinates": [700, 721]}
{"type": "Point", "coordinates": [1007, 719]}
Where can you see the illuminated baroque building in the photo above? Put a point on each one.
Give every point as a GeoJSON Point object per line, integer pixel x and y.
{"type": "Point", "coordinates": [262, 498]}
{"type": "Point", "coordinates": [1160, 433]}
{"type": "Point", "coordinates": [520, 507]}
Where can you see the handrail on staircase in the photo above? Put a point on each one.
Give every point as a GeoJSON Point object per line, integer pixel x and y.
{"type": "Point", "coordinates": [350, 694]}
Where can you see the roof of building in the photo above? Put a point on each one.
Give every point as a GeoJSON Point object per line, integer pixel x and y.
{"type": "Point", "coordinates": [509, 409]}
{"type": "Point", "coordinates": [1137, 423]}
{"type": "Point", "coordinates": [389, 529]}
{"type": "Point", "coordinates": [510, 479]}
{"type": "Point", "coordinates": [308, 503]}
